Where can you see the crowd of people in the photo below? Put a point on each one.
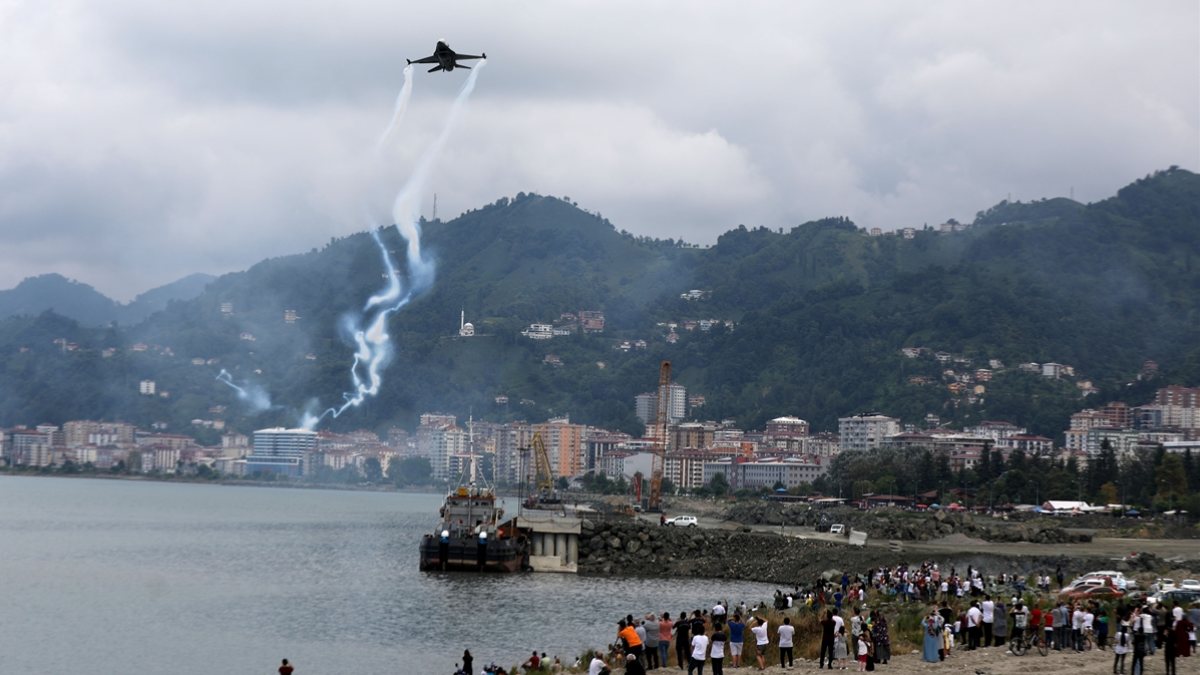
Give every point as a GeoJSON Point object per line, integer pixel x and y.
{"type": "Point", "coordinates": [967, 611]}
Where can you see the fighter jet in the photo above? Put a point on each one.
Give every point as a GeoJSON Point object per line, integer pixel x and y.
{"type": "Point", "coordinates": [446, 58]}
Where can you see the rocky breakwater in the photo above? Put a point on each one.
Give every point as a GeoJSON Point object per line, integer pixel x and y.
{"type": "Point", "coordinates": [641, 550]}
{"type": "Point", "coordinates": [891, 523]}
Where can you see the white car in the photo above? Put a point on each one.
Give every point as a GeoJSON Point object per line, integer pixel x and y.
{"type": "Point", "coordinates": [1118, 579]}
{"type": "Point", "coordinates": [837, 529]}
{"type": "Point", "coordinates": [1190, 585]}
{"type": "Point", "coordinates": [682, 521]}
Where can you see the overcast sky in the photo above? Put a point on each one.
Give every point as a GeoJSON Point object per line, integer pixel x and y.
{"type": "Point", "coordinates": [142, 140]}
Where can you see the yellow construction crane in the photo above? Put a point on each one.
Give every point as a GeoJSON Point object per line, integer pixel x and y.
{"type": "Point", "coordinates": [662, 428]}
{"type": "Point", "coordinates": [544, 478]}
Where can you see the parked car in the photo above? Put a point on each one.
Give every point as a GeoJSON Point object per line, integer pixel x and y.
{"type": "Point", "coordinates": [1118, 579]}
{"type": "Point", "coordinates": [1163, 584]}
{"type": "Point", "coordinates": [682, 521]}
{"type": "Point", "coordinates": [1177, 597]}
{"type": "Point", "coordinates": [837, 528]}
{"type": "Point", "coordinates": [1093, 593]}
{"type": "Point", "coordinates": [1189, 585]}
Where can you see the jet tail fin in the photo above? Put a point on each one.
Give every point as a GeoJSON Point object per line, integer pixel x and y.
{"type": "Point", "coordinates": [459, 65]}
{"type": "Point", "coordinates": [434, 69]}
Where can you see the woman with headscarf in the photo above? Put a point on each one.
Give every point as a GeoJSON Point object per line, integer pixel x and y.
{"type": "Point", "coordinates": [932, 629]}
{"type": "Point", "coordinates": [883, 644]}
{"type": "Point", "coordinates": [1000, 624]}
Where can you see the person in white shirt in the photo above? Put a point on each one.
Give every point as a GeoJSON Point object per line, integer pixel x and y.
{"type": "Point", "coordinates": [718, 613]}
{"type": "Point", "coordinates": [597, 664]}
{"type": "Point", "coordinates": [974, 619]}
{"type": "Point", "coordinates": [699, 653]}
{"type": "Point", "coordinates": [759, 629]}
{"type": "Point", "coordinates": [786, 633]}
{"type": "Point", "coordinates": [1077, 628]}
{"type": "Point", "coordinates": [988, 608]}
{"type": "Point", "coordinates": [716, 652]}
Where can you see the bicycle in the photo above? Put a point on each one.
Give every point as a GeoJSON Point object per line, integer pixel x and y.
{"type": "Point", "coordinates": [1022, 645]}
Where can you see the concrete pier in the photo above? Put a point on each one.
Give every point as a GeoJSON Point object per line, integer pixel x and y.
{"type": "Point", "coordinates": [553, 538]}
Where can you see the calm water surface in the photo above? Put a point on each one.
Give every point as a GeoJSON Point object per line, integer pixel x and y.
{"type": "Point", "coordinates": [105, 576]}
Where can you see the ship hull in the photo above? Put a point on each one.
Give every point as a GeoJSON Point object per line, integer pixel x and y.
{"type": "Point", "coordinates": [466, 555]}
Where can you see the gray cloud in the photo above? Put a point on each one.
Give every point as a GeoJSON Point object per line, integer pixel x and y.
{"type": "Point", "coordinates": [140, 141]}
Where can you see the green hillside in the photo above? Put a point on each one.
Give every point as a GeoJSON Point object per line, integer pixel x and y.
{"type": "Point", "coordinates": [819, 316]}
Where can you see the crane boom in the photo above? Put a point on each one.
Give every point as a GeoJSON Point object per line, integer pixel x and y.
{"type": "Point", "coordinates": [544, 480]}
{"type": "Point", "coordinates": [662, 427]}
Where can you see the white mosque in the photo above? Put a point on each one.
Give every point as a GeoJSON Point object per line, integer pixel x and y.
{"type": "Point", "coordinates": [465, 329]}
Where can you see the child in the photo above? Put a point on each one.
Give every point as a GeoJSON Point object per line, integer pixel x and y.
{"type": "Point", "coordinates": [862, 655]}
{"type": "Point", "coordinates": [839, 649]}
{"type": "Point", "coordinates": [1120, 648]}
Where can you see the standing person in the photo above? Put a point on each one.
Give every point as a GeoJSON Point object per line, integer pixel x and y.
{"type": "Point", "coordinates": [988, 608]}
{"type": "Point", "coordinates": [716, 650]}
{"type": "Point", "coordinates": [1062, 625]}
{"type": "Point", "coordinates": [759, 628]}
{"type": "Point", "coordinates": [718, 613]}
{"type": "Point", "coordinates": [683, 640]}
{"type": "Point", "coordinates": [881, 639]}
{"type": "Point", "coordinates": [1143, 636]}
{"type": "Point", "coordinates": [468, 662]}
{"type": "Point", "coordinates": [664, 638]}
{"type": "Point", "coordinates": [285, 668]}
{"type": "Point", "coordinates": [974, 629]}
{"type": "Point", "coordinates": [628, 634]}
{"type": "Point", "coordinates": [999, 624]}
{"type": "Point", "coordinates": [856, 624]}
{"type": "Point", "coordinates": [863, 652]}
{"type": "Point", "coordinates": [786, 632]}
{"type": "Point", "coordinates": [651, 627]}
{"type": "Point", "coordinates": [827, 636]}
{"type": "Point", "coordinates": [1077, 618]}
{"type": "Point", "coordinates": [1020, 622]}
{"type": "Point", "coordinates": [1121, 647]}
{"type": "Point", "coordinates": [932, 648]}
{"type": "Point", "coordinates": [839, 648]}
{"type": "Point", "coordinates": [699, 652]}
{"type": "Point", "coordinates": [736, 636]}
{"type": "Point", "coordinates": [1058, 573]}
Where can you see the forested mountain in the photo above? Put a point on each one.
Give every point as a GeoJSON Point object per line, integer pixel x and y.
{"type": "Point", "coordinates": [81, 302]}
{"type": "Point", "coordinates": [819, 315]}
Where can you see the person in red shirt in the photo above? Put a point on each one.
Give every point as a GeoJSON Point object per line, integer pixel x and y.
{"type": "Point", "coordinates": [285, 668]}
{"type": "Point", "coordinates": [1048, 629]}
{"type": "Point", "coordinates": [1035, 622]}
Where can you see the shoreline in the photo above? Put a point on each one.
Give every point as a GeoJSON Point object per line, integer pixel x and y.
{"type": "Point", "coordinates": [230, 482]}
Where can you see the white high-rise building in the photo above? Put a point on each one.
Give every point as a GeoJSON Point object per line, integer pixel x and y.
{"type": "Point", "coordinates": [282, 451]}
{"type": "Point", "coordinates": [647, 405]}
{"type": "Point", "coordinates": [866, 432]}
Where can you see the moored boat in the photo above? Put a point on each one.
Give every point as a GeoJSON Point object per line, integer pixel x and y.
{"type": "Point", "coordinates": [470, 536]}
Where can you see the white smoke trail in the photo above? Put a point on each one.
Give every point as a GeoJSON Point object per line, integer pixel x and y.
{"type": "Point", "coordinates": [400, 109]}
{"type": "Point", "coordinates": [252, 394]}
{"type": "Point", "coordinates": [373, 344]}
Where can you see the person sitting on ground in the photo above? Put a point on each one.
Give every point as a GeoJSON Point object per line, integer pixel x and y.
{"type": "Point", "coordinates": [285, 668]}
{"type": "Point", "coordinates": [633, 666]}
{"type": "Point", "coordinates": [532, 664]}
{"type": "Point", "coordinates": [597, 666]}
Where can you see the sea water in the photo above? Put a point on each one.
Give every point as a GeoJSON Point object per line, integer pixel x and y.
{"type": "Point", "coordinates": [123, 576]}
